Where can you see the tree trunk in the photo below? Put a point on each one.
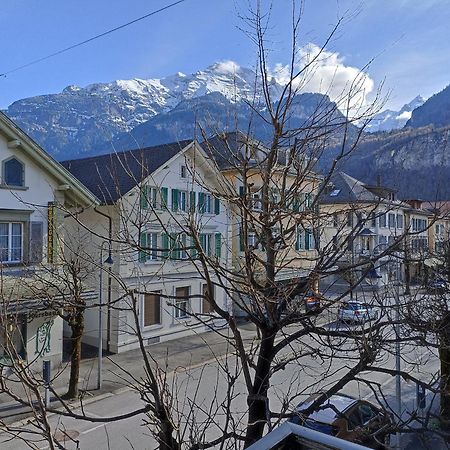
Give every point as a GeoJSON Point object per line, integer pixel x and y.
{"type": "Point", "coordinates": [77, 328]}
{"type": "Point", "coordinates": [407, 278]}
{"type": "Point", "coordinates": [166, 440]}
{"type": "Point", "coordinates": [257, 400]}
{"type": "Point", "coordinates": [444, 357]}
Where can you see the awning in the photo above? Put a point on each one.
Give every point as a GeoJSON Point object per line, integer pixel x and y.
{"type": "Point", "coordinates": [366, 232]}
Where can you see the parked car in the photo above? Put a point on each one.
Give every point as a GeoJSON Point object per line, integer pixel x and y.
{"type": "Point", "coordinates": [348, 418]}
{"type": "Point", "coordinates": [354, 311]}
{"type": "Point", "coordinates": [437, 286]}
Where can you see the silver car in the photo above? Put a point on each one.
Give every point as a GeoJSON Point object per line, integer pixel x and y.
{"type": "Point", "coordinates": [354, 311]}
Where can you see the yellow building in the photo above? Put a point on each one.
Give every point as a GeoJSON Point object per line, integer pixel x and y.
{"type": "Point", "coordinates": [272, 198]}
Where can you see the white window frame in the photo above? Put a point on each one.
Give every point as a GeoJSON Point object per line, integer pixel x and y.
{"type": "Point", "coordinates": [182, 313]}
{"type": "Point", "coordinates": [183, 171]}
{"type": "Point", "coordinates": [9, 242]}
{"type": "Point", "coordinates": [152, 242]}
{"type": "Point", "coordinates": [182, 201]}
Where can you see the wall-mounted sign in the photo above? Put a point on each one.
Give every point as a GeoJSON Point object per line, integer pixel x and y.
{"type": "Point", "coordinates": [50, 231]}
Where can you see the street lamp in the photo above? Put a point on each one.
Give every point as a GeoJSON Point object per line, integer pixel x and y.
{"type": "Point", "coordinates": [109, 262]}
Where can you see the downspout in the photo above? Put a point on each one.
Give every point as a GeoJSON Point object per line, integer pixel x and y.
{"type": "Point", "coordinates": [108, 319]}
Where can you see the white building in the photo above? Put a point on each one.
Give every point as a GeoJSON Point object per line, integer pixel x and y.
{"type": "Point", "coordinates": [147, 196]}
{"type": "Point", "coordinates": [34, 190]}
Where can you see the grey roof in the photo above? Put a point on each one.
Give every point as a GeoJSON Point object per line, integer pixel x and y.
{"type": "Point", "coordinates": [225, 149]}
{"type": "Point", "coordinates": [111, 176]}
{"type": "Point", "coordinates": [346, 189]}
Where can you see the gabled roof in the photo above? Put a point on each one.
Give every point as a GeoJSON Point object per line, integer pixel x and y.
{"type": "Point", "coordinates": [231, 150]}
{"type": "Point", "coordinates": [111, 176]}
{"type": "Point", "coordinates": [76, 190]}
{"type": "Point", "coordinates": [346, 189]}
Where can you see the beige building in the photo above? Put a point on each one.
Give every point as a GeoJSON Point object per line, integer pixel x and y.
{"type": "Point", "coordinates": [367, 226]}
{"type": "Point", "coordinates": [292, 206]}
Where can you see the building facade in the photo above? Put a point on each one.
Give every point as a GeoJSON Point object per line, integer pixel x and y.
{"type": "Point", "coordinates": [35, 193]}
{"type": "Point", "coordinates": [151, 200]}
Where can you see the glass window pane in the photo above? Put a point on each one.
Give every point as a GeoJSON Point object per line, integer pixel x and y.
{"type": "Point", "coordinates": [13, 173]}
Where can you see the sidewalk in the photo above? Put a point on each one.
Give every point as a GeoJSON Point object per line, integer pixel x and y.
{"type": "Point", "coordinates": [119, 369]}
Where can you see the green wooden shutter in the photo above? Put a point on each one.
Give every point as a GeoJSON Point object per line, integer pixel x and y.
{"type": "Point", "coordinates": [173, 246]}
{"type": "Point", "coordinates": [201, 202]}
{"type": "Point", "coordinates": [192, 201]}
{"type": "Point", "coordinates": [308, 200]}
{"type": "Point", "coordinates": [216, 206]}
{"type": "Point", "coordinates": [193, 249]}
{"type": "Point", "coordinates": [296, 204]}
{"type": "Point", "coordinates": [143, 244]}
{"type": "Point", "coordinates": [165, 245]}
{"type": "Point", "coordinates": [144, 197]}
{"type": "Point", "coordinates": [174, 200]}
{"type": "Point", "coordinates": [203, 241]}
{"type": "Point", "coordinates": [164, 197]}
{"type": "Point", "coordinates": [241, 240]}
{"type": "Point", "coordinates": [241, 191]}
{"type": "Point", "coordinates": [218, 245]}
{"type": "Point", "coordinates": [307, 239]}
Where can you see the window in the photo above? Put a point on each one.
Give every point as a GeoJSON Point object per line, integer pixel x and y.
{"type": "Point", "coordinates": [305, 239]}
{"type": "Point", "coordinates": [399, 220]}
{"type": "Point", "coordinates": [149, 247]}
{"type": "Point", "coordinates": [182, 243]}
{"type": "Point", "coordinates": [206, 243]}
{"type": "Point", "coordinates": [181, 302]}
{"type": "Point", "coordinates": [350, 219]}
{"type": "Point", "coordinates": [419, 224]}
{"type": "Point", "coordinates": [382, 220]}
{"type": "Point", "coordinates": [206, 305]}
{"type": "Point", "coordinates": [179, 200]}
{"type": "Point", "coordinates": [256, 202]}
{"type": "Point", "coordinates": [252, 240]}
{"type": "Point", "coordinates": [391, 220]}
{"type": "Point", "coordinates": [152, 309]}
{"type": "Point", "coordinates": [153, 197]}
{"type": "Point", "coordinates": [205, 203]}
{"type": "Point", "coordinates": [11, 242]}
{"type": "Point", "coordinates": [309, 240]}
{"type": "Point", "coordinates": [13, 172]}
{"type": "Point", "coordinates": [183, 172]}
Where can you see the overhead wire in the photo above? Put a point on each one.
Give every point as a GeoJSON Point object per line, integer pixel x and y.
{"type": "Point", "coordinates": [86, 41]}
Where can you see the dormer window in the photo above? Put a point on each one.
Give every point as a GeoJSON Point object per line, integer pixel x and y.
{"type": "Point", "coordinates": [13, 172]}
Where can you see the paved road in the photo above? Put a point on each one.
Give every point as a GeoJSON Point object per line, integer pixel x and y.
{"type": "Point", "coordinates": [206, 386]}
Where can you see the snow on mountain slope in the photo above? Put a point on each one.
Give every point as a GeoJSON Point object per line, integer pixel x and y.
{"type": "Point", "coordinates": [388, 120]}
{"type": "Point", "coordinates": [78, 120]}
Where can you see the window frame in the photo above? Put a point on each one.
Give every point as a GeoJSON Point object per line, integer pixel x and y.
{"type": "Point", "coordinates": [10, 247]}
{"type": "Point", "coordinates": [4, 181]}
{"type": "Point", "coordinates": [156, 294]}
{"type": "Point", "coordinates": [181, 313]}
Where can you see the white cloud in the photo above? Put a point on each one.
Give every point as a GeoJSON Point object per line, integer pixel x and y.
{"type": "Point", "coordinates": [328, 74]}
{"type": "Point", "coordinates": [226, 67]}
{"type": "Point", "coordinates": [405, 115]}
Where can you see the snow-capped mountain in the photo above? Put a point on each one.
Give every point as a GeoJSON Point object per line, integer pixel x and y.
{"type": "Point", "coordinates": [388, 120]}
{"type": "Point", "coordinates": [80, 120]}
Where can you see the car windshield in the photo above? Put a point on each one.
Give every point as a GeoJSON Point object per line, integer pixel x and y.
{"type": "Point", "coordinates": [353, 306]}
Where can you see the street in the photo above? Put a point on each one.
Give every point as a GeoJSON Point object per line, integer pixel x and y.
{"type": "Point", "coordinates": [204, 385]}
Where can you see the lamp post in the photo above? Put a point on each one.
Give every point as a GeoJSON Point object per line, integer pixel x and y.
{"type": "Point", "coordinates": [109, 262]}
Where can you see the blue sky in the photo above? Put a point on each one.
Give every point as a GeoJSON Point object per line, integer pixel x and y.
{"type": "Point", "coordinates": [408, 39]}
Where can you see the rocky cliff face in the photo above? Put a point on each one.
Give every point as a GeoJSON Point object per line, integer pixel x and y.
{"type": "Point", "coordinates": [79, 121]}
